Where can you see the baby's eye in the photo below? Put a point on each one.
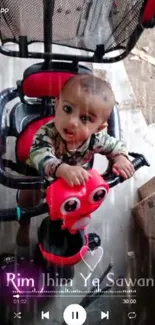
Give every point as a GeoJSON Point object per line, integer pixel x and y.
{"type": "Point", "coordinates": [67, 109]}
{"type": "Point", "coordinates": [86, 118]}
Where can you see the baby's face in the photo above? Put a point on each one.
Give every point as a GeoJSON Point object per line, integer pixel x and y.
{"type": "Point", "coordinates": [78, 115]}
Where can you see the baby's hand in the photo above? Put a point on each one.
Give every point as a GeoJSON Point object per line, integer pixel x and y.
{"type": "Point", "coordinates": [73, 175]}
{"type": "Point", "coordinates": [123, 167]}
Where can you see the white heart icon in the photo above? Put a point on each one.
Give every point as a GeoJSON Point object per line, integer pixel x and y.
{"type": "Point", "coordinates": [92, 258]}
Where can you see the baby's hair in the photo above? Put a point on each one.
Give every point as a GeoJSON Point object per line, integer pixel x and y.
{"type": "Point", "coordinates": [94, 86]}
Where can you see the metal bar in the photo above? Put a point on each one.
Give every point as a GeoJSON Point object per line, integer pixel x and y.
{"type": "Point", "coordinates": [48, 9]}
{"type": "Point", "coordinates": [66, 57]}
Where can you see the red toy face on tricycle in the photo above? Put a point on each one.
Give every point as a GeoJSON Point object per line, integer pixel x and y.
{"type": "Point", "coordinates": [73, 205]}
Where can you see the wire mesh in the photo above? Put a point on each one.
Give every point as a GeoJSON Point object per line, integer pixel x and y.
{"type": "Point", "coordinates": [82, 24]}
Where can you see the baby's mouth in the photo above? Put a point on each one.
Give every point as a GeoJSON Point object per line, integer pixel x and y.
{"type": "Point", "coordinates": [68, 132]}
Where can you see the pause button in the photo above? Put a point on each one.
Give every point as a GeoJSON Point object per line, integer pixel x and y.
{"type": "Point", "coordinates": [74, 315]}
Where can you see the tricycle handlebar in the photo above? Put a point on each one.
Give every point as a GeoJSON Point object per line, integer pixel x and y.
{"type": "Point", "coordinates": [138, 162]}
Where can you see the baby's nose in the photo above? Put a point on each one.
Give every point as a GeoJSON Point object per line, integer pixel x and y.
{"type": "Point", "coordinates": [73, 122]}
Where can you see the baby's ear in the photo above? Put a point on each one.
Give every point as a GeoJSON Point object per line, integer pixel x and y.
{"type": "Point", "coordinates": [102, 126]}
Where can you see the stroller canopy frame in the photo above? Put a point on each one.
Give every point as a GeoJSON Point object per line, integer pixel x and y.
{"type": "Point", "coordinates": [96, 28]}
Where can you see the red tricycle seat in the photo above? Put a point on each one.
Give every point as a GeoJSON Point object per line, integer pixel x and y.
{"type": "Point", "coordinates": [44, 83]}
{"type": "Point", "coordinates": [25, 139]}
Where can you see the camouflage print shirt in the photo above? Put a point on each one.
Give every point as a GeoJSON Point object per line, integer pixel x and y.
{"type": "Point", "coordinates": [48, 146]}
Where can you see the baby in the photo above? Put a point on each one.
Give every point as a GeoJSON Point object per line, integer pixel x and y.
{"type": "Point", "coordinates": [65, 146]}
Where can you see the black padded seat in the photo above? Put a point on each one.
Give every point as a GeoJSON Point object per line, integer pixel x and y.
{"type": "Point", "coordinates": [24, 113]}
